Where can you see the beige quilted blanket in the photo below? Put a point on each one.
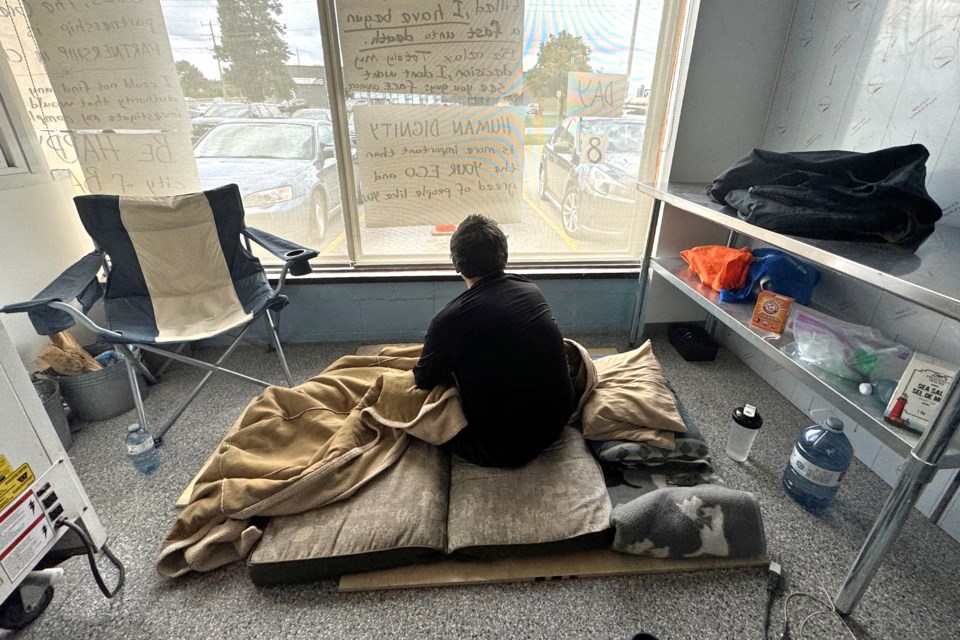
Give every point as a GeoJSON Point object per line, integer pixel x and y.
{"type": "Point", "coordinates": [301, 448]}
{"type": "Point", "coordinates": [304, 447]}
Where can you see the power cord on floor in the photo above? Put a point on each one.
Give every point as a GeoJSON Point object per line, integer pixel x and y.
{"type": "Point", "coordinates": [63, 522]}
{"type": "Point", "coordinates": [775, 585]}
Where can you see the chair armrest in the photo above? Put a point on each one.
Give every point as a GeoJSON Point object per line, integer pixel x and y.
{"type": "Point", "coordinates": [295, 256]}
{"type": "Point", "coordinates": [79, 282]}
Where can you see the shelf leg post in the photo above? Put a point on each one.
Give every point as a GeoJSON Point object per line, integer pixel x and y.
{"type": "Point", "coordinates": [920, 466]}
{"type": "Point", "coordinates": [636, 326]}
{"type": "Point", "coordinates": [887, 526]}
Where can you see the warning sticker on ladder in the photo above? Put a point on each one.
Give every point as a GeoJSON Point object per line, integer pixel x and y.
{"type": "Point", "coordinates": [13, 482]}
{"type": "Point", "coordinates": [25, 533]}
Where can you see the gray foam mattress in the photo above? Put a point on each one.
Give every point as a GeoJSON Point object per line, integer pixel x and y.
{"type": "Point", "coordinates": [431, 505]}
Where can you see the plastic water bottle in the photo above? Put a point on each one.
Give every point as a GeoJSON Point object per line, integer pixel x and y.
{"type": "Point", "coordinates": [817, 465]}
{"type": "Point", "coordinates": [744, 425]}
{"type": "Point", "coordinates": [141, 450]}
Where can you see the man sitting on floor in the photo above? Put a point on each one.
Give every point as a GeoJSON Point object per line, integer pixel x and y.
{"type": "Point", "coordinates": [500, 344]}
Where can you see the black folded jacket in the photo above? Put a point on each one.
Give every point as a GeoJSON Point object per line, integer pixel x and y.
{"type": "Point", "coordinates": [838, 195]}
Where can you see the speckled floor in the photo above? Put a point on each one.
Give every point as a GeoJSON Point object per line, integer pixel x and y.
{"type": "Point", "coordinates": [914, 595]}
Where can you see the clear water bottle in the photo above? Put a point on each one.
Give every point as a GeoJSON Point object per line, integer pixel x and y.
{"type": "Point", "coordinates": [817, 465]}
{"type": "Point", "coordinates": [744, 425]}
{"type": "Point", "coordinates": [141, 450]}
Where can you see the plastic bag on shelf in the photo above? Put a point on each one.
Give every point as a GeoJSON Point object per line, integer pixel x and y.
{"type": "Point", "coordinates": [850, 351]}
{"type": "Point", "coordinates": [719, 267]}
{"type": "Point", "coordinates": [779, 272]}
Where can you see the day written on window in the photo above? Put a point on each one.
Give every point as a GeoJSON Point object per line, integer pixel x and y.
{"type": "Point", "coordinates": [531, 113]}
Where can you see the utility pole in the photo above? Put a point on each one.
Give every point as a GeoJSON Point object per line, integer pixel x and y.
{"type": "Point", "coordinates": [223, 86]}
{"type": "Point", "coordinates": [633, 43]}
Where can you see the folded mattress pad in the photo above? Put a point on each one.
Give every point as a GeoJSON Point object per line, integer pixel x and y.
{"type": "Point", "coordinates": [431, 504]}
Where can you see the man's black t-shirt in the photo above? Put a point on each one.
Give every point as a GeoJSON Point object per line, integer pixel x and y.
{"type": "Point", "coordinates": [500, 344]}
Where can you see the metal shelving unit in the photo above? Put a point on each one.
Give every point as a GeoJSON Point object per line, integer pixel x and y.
{"type": "Point", "coordinates": [843, 394]}
{"type": "Point", "coordinates": [927, 277]}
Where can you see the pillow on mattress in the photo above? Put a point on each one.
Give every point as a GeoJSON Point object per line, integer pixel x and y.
{"type": "Point", "coordinates": [690, 451]}
{"type": "Point", "coordinates": [632, 401]}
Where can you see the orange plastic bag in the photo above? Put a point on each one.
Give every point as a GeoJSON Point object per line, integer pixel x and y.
{"type": "Point", "coordinates": [719, 267]}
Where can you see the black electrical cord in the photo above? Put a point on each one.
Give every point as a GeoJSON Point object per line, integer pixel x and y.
{"type": "Point", "coordinates": [63, 522]}
{"type": "Point", "coordinates": [774, 587]}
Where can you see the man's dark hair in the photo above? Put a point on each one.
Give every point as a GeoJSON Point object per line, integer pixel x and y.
{"type": "Point", "coordinates": [478, 247]}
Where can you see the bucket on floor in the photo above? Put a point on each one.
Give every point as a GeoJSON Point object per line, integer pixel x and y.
{"type": "Point", "coordinates": [100, 395]}
{"type": "Point", "coordinates": [49, 392]}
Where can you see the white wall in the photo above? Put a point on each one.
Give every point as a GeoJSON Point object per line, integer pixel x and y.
{"type": "Point", "coordinates": [41, 236]}
{"type": "Point", "coordinates": [866, 75]}
{"type": "Point", "coordinates": [733, 66]}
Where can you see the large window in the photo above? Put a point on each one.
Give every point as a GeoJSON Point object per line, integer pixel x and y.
{"type": "Point", "coordinates": [532, 113]}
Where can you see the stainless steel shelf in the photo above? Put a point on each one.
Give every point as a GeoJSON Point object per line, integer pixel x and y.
{"type": "Point", "coordinates": [842, 394]}
{"type": "Point", "coordinates": [927, 276]}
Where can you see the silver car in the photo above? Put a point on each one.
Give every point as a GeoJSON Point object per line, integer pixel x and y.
{"type": "Point", "coordinates": [286, 170]}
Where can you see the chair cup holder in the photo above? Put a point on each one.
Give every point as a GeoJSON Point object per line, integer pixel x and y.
{"type": "Point", "coordinates": [298, 267]}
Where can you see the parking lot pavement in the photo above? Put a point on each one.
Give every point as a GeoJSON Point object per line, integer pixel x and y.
{"type": "Point", "coordinates": [538, 231]}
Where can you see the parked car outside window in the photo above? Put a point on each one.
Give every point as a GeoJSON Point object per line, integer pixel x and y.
{"type": "Point", "coordinates": [589, 168]}
{"type": "Point", "coordinates": [324, 114]}
{"type": "Point", "coordinates": [313, 114]}
{"type": "Point", "coordinates": [292, 105]}
{"type": "Point", "coordinates": [220, 111]}
{"type": "Point", "coordinates": [286, 170]}
{"type": "Point", "coordinates": [533, 109]}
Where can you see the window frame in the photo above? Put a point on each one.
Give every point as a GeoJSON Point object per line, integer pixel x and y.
{"type": "Point", "coordinates": [29, 164]}
{"type": "Point", "coordinates": [674, 29]}
{"type": "Point", "coordinates": [23, 163]}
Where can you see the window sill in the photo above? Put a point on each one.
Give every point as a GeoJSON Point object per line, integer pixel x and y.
{"type": "Point", "coordinates": [20, 179]}
{"type": "Point", "coordinates": [355, 276]}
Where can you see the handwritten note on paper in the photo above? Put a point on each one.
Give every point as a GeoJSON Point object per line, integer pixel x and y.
{"type": "Point", "coordinates": [596, 94]}
{"type": "Point", "coordinates": [437, 164]}
{"type": "Point", "coordinates": [110, 65]}
{"type": "Point", "coordinates": [469, 48]}
{"type": "Point", "coordinates": [136, 164]}
{"type": "Point", "coordinates": [38, 97]}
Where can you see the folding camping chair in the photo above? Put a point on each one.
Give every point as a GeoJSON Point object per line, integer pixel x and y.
{"type": "Point", "coordinates": [179, 269]}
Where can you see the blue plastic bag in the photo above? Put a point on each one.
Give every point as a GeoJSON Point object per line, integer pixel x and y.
{"type": "Point", "coordinates": [779, 272]}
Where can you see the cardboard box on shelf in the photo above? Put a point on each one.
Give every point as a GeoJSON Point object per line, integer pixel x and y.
{"type": "Point", "coordinates": [917, 399]}
{"type": "Point", "coordinates": [770, 312]}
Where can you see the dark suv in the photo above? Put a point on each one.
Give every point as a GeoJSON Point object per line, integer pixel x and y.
{"type": "Point", "coordinates": [589, 168]}
{"type": "Point", "coordinates": [220, 111]}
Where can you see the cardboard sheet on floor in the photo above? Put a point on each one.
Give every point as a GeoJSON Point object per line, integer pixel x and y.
{"type": "Point", "coordinates": [580, 564]}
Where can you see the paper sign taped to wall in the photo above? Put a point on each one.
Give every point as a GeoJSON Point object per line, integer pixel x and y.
{"type": "Point", "coordinates": [135, 164]}
{"type": "Point", "coordinates": [110, 64]}
{"type": "Point", "coordinates": [436, 164]}
{"type": "Point", "coordinates": [596, 94]}
{"type": "Point", "coordinates": [43, 109]}
{"type": "Point", "coordinates": [445, 47]}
